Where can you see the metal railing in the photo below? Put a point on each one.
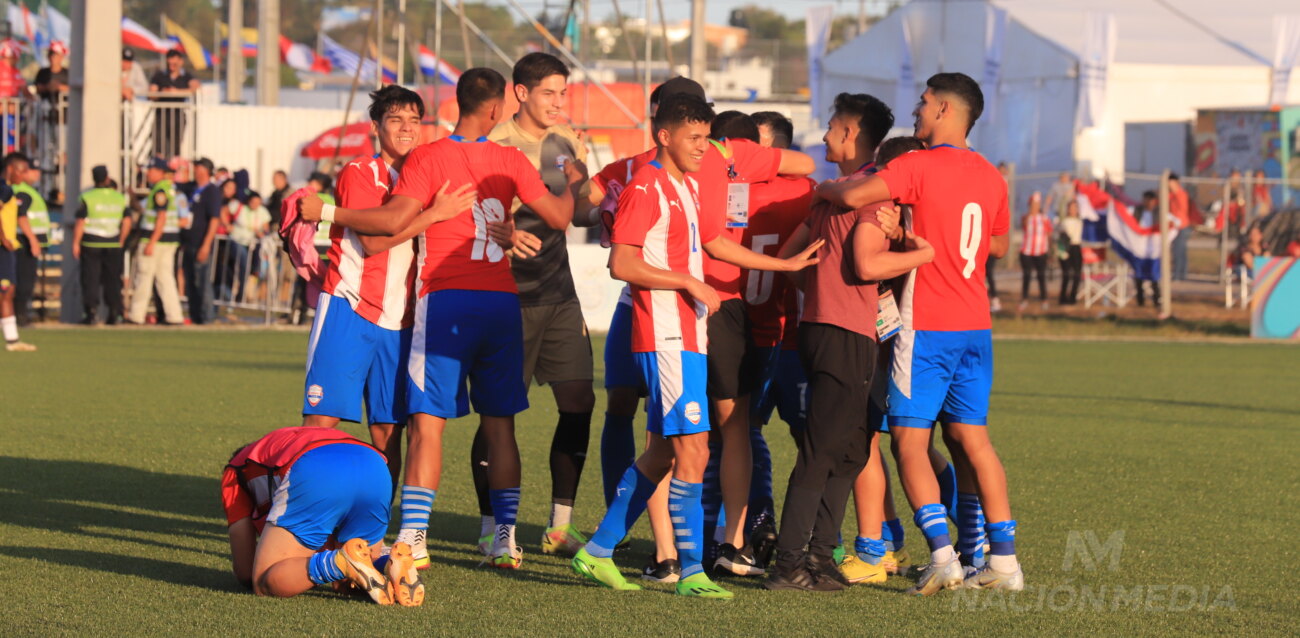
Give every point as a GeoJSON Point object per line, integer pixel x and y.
{"type": "Point", "coordinates": [157, 129]}
{"type": "Point", "coordinates": [252, 282]}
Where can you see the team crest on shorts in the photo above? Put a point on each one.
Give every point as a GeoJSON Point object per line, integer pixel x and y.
{"type": "Point", "coordinates": [693, 413]}
{"type": "Point", "coordinates": [314, 395]}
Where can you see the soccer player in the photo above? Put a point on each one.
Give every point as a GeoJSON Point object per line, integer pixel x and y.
{"type": "Point", "coordinates": [9, 271]}
{"type": "Point", "coordinates": [290, 494]}
{"type": "Point", "coordinates": [467, 341]}
{"type": "Point", "coordinates": [943, 365]}
{"type": "Point", "coordinates": [357, 349]}
{"type": "Point", "coordinates": [659, 239]}
{"type": "Point", "coordinates": [557, 348]}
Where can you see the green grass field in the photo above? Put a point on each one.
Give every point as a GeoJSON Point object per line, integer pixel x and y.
{"type": "Point", "coordinates": [110, 522]}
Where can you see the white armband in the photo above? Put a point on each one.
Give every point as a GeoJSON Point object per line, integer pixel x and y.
{"type": "Point", "coordinates": [327, 213]}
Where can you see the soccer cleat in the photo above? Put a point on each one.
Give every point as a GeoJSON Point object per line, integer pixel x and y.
{"type": "Point", "coordinates": [856, 570]}
{"type": "Point", "coordinates": [799, 579]}
{"type": "Point", "coordinates": [763, 539]}
{"type": "Point", "coordinates": [19, 346]}
{"type": "Point", "coordinates": [565, 540]}
{"type": "Point", "coordinates": [666, 571]}
{"type": "Point", "coordinates": [936, 577]}
{"type": "Point", "coordinates": [699, 586]}
{"type": "Point", "coordinates": [507, 557]}
{"type": "Point", "coordinates": [354, 560]}
{"type": "Point", "coordinates": [987, 578]}
{"type": "Point", "coordinates": [825, 568]}
{"type": "Point", "coordinates": [897, 562]}
{"type": "Point", "coordinates": [602, 571]}
{"type": "Point", "coordinates": [415, 539]}
{"type": "Point", "coordinates": [485, 545]}
{"type": "Point", "coordinates": [404, 582]}
{"type": "Point", "coordinates": [740, 562]}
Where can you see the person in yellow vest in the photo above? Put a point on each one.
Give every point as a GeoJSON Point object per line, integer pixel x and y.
{"type": "Point", "coordinates": [102, 227]}
{"type": "Point", "coordinates": [155, 257]}
{"type": "Point", "coordinates": [8, 270]}
{"type": "Point", "coordinates": [33, 230]}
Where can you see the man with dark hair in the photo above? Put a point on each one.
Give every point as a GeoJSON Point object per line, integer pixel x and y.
{"type": "Point", "coordinates": [169, 122]}
{"type": "Point", "coordinates": [196, 242]}
{"type": "Point", "coordinates": [774, 129]}
{"type": "Point", "coordinates": [102, 225]}
{"type": "Point", "coordinates": [557, 348]}
{"type": "Point", "coordinates": [280, 190]}
{"type": "Point", "coordinates": [658, 235]}
{"type": "Point", "coordinates": [467, 318]}
{"type": "Point", "coordinates": [155, 255]}
{"type": "Point", "coordinates": [734, 125]}
{"type": "Point", "coordinates": [943, 367]}
{"type": "Point", "coordinates": [357, 350]}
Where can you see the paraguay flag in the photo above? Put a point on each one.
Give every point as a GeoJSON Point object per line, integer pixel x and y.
{"type": "Point", "coordinates": [431, 65]}
{"type": "Point", "coordinates": [1106, 216]}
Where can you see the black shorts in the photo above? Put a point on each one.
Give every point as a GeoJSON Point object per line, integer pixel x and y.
{"type": "Point", "coordinates": [733, 360]}
{"type": "Point", "coordinates": [8, 269]}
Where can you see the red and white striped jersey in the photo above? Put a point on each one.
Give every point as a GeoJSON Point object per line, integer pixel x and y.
{"type": "Point", "coordinates": [1038, 235]}
{"type": "Point", "coordinates": [378, 286]}
{"type": "Point", "coordinates": [662, 216]}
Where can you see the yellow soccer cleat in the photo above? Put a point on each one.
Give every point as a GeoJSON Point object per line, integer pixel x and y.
{"type": "Point", "coordinates": [404, 582]}
{"type": "Point", "coordinates": [507, 558]}
{"type": "Point", "coordinates": [19, 346]}
{"type": "Point", "coordinates": [897, 562]}
{"type": "Point", "coordinates": [354, 560]}
{"type": "Point", "coordinates": [564, 540]}
{"type": "Point", "coordinates": [856, 571]}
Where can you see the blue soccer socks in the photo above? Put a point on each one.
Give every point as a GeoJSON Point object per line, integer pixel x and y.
{"type": "Point", "coordinates": [417, 503]}
{"type": "Point", "coordinates": [933, 521]}
{"type": "Point", "coordinates": [869, 550]}
{"type": "Point", "coordinates": [1002, 546]}
{"type": "Point", "coordinates": [970, 530]}
{"type": "Point", "coordinates": [948, 491]}
{"type": "Point", "coordinates": [687, 512]}
{"type": "Point", "coordinates": [891, 532]}
{"type": "Point", "coordinates": [630, 497]}
{"type": "Point", "coordinates": [323, 568]}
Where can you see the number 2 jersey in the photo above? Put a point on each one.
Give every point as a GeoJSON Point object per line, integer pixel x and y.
{"type": "Point", "coordinates": [458, 254]}
{"type": "Point", "coordinates": [959, 202]}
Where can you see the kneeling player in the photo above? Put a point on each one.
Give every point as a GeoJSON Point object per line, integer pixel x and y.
{"type": "Point", "coordinates": [288, 494]}
{"type": "Point", "coordinates": [658, 235]}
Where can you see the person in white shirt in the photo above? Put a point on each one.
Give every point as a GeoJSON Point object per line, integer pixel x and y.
{"type": "Point", "coordinates": [1070, 253]}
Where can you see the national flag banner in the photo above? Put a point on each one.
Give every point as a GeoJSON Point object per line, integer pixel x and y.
{"type": "Point", "coordinates": [136, 36]}
{"type": "Point", "coordinates": [1099, 42]}
{"type": "Point", "coordinates": [817, 32]}
{"type": "Point", "coordinates": [1286, 54]}
{"type": "Point", "coordinates": [248, 46]}
{"type": "Point", "coordinates": [432, 65]}
{"type": "Point", "coordinates": [1107, 217]}
{"type": "Point", "coordinates": [345, 60]}
{"type": "Point", "coordinates": [199, 57]}
{"type": "Point", "coordinates": [56, 24]}
{"type": "Point", "coordinates": [300, 57]}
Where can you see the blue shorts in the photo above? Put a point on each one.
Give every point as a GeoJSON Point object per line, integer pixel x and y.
{"type": "Point", "coordinates": [9, 269]}
{"type": "Point", "coordinates": [621, 369]}
{"type": "Point", "coordinates": [341, 490]}
{"type": "Point", "coordinates": [941, 376]}
{"type": "Point", "coordinates": [677, 382]}
{"type": "Point", "coordinates": [350, 359]}
{"type": "Point", "coordinates": [462, 336]}
{"type": "Point", "coordinates": [787, 392]}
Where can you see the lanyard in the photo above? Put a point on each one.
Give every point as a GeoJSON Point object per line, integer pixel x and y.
{"type": "Point", "coordinates": [726, 155]}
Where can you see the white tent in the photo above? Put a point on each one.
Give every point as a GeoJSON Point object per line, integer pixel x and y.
{"type": "Point", "coordinates": [1169, 59]}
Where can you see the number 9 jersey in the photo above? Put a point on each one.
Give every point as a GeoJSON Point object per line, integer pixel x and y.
{"type": "Point", "coordinates": [959, 202]}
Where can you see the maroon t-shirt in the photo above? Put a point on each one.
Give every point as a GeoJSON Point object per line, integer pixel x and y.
{"type": "Point", "coordinates": [833, 292]}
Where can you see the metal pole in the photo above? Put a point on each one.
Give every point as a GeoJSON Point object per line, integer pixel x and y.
{"type": "Point", "coordinates": [464, 36]}
{"type": "Point", "coordinates": [649, 49]}
{"type": "Point", "coordinates": [268, 52]}
{"type": "Point", "coordinates": [466, 23]}
{"type": "Point", "coordinates": [663, 29]}
{"type": "Point", "coordinates": [564, 51]}
{"type": "Point", "coordinates": [379, 44]}
{"type": "Point", "coordinates": [631, 50]}
{"type": "Point", "coordinates": [699, 60]}
{"type": "Point", "coordinates": [1225, 274]}
{"type": "Point", "coordinates": [436, 36]}
{"type": "Point", "coordinates": [401, 41]}
{"type": "Point", "coordinates": [586, 55]}
{"type": "Point", "coordinates": [235, 52]}
{"type": "Point", "coordinates": [216, 47]}
{"type": "Point", "coordinates": [1166, 276]}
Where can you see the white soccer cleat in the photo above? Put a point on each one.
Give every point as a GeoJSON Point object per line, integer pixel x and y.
{"type": "Point", "coordinates": [936, 577]}
{"type": "Point", "coordinates": [415, 538]}
{"type": "Point", "coordinates": [19, 346]}
{"type": "Point", "coordinates": [987, 578]}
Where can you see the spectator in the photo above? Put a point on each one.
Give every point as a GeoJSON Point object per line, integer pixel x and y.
{"type": "Point", "coordinates": [1058, 196]}
{"type": "Point", "coordinates": [134, 83]}
{"type": "Point", "coordinates": [248, 223]}
{"type": "Point", "coordinates": [12, 84]}
{"type": "Point", "coordinates": [155, 256]}
{"type": "Point", "coordinates": [281, 183]}
{"type": "Point", "coordinates": [1033, 251]}
{"type": "Point", "coordinates": [1252, 246]}
{"type": "Point", "coordinates": [34, 231]}
{"type": "Point", "coordinates": [1263, 195]}
{"type": "Point", "coordinates": [1148, 217]}
{"type": "Point", "coordinates": [197, 241]}
{"type": "Point", "coordinates": [1180, 222]}
{"type": "Point", "coordinates": [52, 81]}
{"type": "Point", "coordinates": [1070, 252]}
{"type": "Point", "coordinates": [1236, 204]}
{"type": "Point", "coordinates": [169, 122]}
{"type": "Point", "coordinates": [319, 183]}
{"type": "Point", "coordinates": [102, 227]}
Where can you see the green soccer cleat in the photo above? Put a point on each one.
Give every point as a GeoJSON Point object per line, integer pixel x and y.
{"type": "Point", "coordinates": [602, 571]}
{"type": "Point", "coordinates": [565, 540]}
{"type": "Point", "coordinates": [699, 586]}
